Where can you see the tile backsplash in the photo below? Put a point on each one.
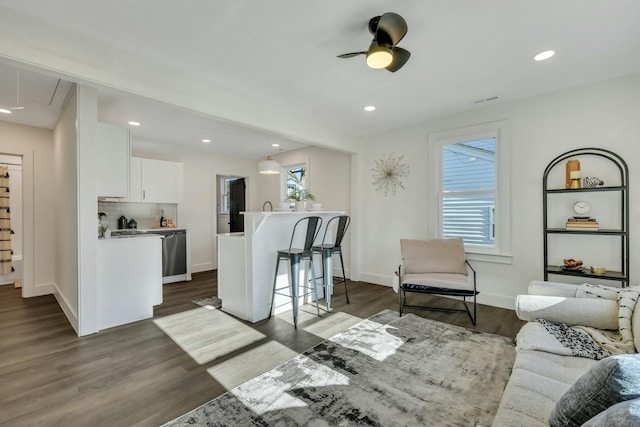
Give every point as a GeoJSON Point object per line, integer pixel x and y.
{"type": "Point", "coordinates": [146, 215]}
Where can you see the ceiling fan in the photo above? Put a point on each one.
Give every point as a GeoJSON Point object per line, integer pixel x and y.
{"type": "Point", "coordinates": [387, 29]}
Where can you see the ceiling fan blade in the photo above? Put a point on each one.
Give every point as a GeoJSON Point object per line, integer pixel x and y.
{"type": "Point", "coordinates": [400, 57]}
{"type": "Point", "coordinates": [392, 26]}
{"type": "Point", "coordinates": [351, 55]}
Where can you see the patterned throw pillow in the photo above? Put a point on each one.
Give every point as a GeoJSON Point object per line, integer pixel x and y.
{"type": "Point", "coordinates": [610, 381]}
{"type": "Point", "coordinates": [623, 414]}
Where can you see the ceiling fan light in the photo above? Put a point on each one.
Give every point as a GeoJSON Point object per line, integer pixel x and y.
{"type": "Point", "coordinates": [379, 56]}
{"type": "Point", "coordinates": [269, 166]}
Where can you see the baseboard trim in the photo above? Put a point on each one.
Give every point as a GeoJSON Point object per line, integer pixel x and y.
{"type": "Point", "coordinates": [37, 290]}
{"type": "Point", "coordinates": [68, 311]}
{"type": "Point", "coordinates": [486, 298]}
{"type": "Point", "coordinates": [376, 279]}
{"type": "Point", "coordinates": [199, 268]}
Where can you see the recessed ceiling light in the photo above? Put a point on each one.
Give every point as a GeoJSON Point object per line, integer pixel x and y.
{"type": "Point", "coordinates": [544, 55]}
{"type": "Point", "coordinates": [369, 108]}
{"type": "Point", "coordinates": [134, 123]}
{"type": "Point", "coordinates": [275, 145]}
{"type": "Point", "coordinates": [206, 141]}
{"type": "Point", "coordinates": [5, 111]}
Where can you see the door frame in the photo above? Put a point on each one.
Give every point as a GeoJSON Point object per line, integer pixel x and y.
{"type": "Point", "coordinates": [216, 175]}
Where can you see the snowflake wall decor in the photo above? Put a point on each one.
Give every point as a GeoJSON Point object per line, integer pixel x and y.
{"type": "Point", "coordinates": [388, 172]}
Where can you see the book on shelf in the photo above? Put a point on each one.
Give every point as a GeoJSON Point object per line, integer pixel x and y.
{"type": "Point", "coordinates": [581, 220]}
{"type": "Point", "coordinates": [592, 226]}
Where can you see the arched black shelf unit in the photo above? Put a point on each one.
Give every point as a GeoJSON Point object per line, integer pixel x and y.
{"type": "Point", "coordinates": [622, 233]}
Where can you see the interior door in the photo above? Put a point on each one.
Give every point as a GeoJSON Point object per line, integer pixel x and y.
{"type": "Point", "coordinates": [237, 191]}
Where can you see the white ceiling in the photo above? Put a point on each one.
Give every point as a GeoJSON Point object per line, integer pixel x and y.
{"type": "Point", "coordinates": [283, 53]}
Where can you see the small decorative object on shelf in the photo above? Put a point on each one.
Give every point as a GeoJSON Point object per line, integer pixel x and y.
{"type": "Point", "coordinates": [572, 264]}
{"type": "Point", "coordinates": [388, 172]}
{"type": "Point", "coordinates": [592, 182]}
{"type": "Point", "coordinates": [598, 270]}
{"type": "Point", "coordinates": [582, 223]}
{"type": "Point", "coordinates": [575, 179]}
{"type": "Point", "coordinates": [581, 207]}
{"type": "Point", "coordinates": [572, 166]}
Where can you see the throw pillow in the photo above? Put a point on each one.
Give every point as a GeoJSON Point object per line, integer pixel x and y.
{"type": "Point", "coordinates": [610, 381]}
{"type": "Point", "coordinates": [623, 414]}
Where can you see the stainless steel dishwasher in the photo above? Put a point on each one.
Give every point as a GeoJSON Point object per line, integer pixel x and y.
{"type": "Point", "coordinates": [174, 255]}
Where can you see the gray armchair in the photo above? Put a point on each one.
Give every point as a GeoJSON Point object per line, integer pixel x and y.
{"type": "Point", "coordinates": [437, 267]}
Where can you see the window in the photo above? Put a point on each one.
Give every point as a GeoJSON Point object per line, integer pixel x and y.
{"type": "Point", "coordinates": [226, 193]}
{"type": "Point", "coordinates": [470, 191]}
{"type": "Point", "coordinates": [468, 194]}
{"type": "Point", "coordinates": [295, 180]}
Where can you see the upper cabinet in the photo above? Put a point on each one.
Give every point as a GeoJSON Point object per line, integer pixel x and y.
{"type": "Point", "coordinates": [113, 148]}
{"type": "Point", "coordinates": [155, 181]}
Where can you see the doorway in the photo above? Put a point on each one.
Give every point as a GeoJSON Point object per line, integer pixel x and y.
{"type": "Point", "coordinates": [11, 220]}
{"type": "Point", "coordinates": [237, 190]}
{"type": "Point", "coordinates": [231, 200]}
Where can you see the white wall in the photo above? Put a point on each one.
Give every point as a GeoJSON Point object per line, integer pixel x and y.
{"type": "Point", "coordinates": [65, 210]}
{"type": "Point", "coordinates": [87, 213]}
{"type": "Point", "coordinates": [329, 180]}
{"type": "Point", "coordinates": [198, 210]}
{"type": "Point", "coordinates": [601, 115]}
{"type": "Point", "coordinates": [36, 147]}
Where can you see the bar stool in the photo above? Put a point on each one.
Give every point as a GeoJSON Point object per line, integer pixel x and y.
{"type": "Point", "coordinates": [295, 256]}
{"type": "Point", "coordinates": [327, 250]}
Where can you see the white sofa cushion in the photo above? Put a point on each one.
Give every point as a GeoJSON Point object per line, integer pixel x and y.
{"type": "Point", "coordinates": [596, 313]}
{"type": "Point", "coordinates": [537, 382]}
{"type": "Point", "coordinates": [538, 287]}
{"type": "Point", "coordinates": [534, 336]}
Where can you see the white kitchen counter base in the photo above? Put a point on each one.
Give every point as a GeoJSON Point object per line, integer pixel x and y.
{"type": "Point", "coordinates": [129, 279]}
{"type": "Point", "coordinates": [246, 262]}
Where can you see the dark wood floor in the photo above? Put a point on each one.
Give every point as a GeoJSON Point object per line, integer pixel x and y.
{"type": "Point", "coordinates": [135, 375]}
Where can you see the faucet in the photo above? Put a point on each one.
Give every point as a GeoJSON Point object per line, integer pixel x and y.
{"type": "Point", "coordinates": [265, 204]}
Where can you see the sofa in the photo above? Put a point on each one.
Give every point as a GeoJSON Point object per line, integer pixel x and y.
{"type": "Point", "coordinates": [540, 378]}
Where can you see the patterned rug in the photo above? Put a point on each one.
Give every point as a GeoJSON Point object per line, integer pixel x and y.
{"type": "Point", "coordinates": [212, 301]}
{"type": "Point", "coordinates": [383, 371]}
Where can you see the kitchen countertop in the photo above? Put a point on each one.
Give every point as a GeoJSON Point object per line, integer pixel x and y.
{"type": "Point", "coordinates": [147, 230]}
{"type": "Point", "coordinates": [132, 236]}
{"type": "Point", "coordinates": [126, 233]}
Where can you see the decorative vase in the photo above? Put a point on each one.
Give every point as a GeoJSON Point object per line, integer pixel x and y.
{"type": "Point", "coordinates": [300, 205]}
{"type": "Point", "coordinates": [572, 166]}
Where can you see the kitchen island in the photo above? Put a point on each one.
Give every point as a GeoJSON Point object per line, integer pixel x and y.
{"type": "Point", "coordinates": [246, 262]}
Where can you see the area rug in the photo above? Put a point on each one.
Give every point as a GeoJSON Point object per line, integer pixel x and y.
{"type": "Point", "coordinates": [211, 301]}
{"type": "Point", "coordinates": [383, 371]}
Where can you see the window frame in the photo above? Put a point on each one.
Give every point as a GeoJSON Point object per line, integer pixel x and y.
{"type": "Point", "coordinates": [285, 178]}
{"type": "Point", "coordinates": [501, 252]}
{"type": "Point", "coordinates": [225, 193]}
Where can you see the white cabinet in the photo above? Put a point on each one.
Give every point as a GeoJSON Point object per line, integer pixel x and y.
{"type": "Point", "coordinates": [129, 279]}
{"type": "Point", "coordinates": [161, 181]}
{"type": "Point", "coordinates": [155, 181]}
{"type": "Point", "coordinates": [113, 151]}
{"type": "Point", "coordinates": [135, 189]}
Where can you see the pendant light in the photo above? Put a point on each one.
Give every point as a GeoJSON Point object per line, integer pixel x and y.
{"type": "Point", "coordinates": [269, 166]}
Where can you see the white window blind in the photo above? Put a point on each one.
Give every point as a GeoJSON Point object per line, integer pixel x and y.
{"type": "Point", "coordinates": [469, 191]}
